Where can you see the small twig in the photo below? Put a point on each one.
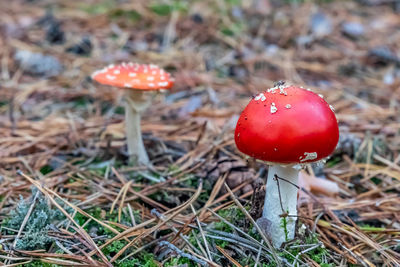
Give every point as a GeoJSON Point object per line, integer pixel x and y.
{"type": "Point", "coordinates": [174, 211]}
{"type": "Point", "coordinates": [258, 254]}
{"type": "Point", "coordinates": [353, 254]}
{"type": "Point", "coordinates": [151, 178]}
{"type": "Point", "coordinates": [302, 189]}
{"type": "Point", "coordinates": [202, 233]}
{"type": "Point", "coordinates": [272, 249]}
{"type": "Point", "coordinates": [131, 215]}
{"type": "Point", "coordinates": [229, 257]}
{"type": "Point", "coordinates": [149, 244]}
{"type": "Point", "coordinates": [236, 228]}
{"type": "Point", "coordinates": [183, 254]}
{"type": "Point", "coordinates": [304, 252]}
{"type": "Point", "coordinates": [123, 200]}
{"type": "Point", "coordinates": [176, 231]}
{"type": "Point", "coordinates": [276, 178]}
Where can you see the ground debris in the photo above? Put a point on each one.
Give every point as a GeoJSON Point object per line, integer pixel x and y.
{"type": "Point", "coordinates": [38, 64]}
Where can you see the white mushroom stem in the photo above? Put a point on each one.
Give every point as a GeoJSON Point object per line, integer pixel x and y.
{"type": "Point", "coordinates": [136, 103]}
{"type": "Point", "coordinates": [280, 199]}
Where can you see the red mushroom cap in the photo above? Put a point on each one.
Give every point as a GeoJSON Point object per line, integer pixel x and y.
{"type": "Point", "coordinates": [134, 76]}
{"type": "Point", "coordinates": [287, 125]}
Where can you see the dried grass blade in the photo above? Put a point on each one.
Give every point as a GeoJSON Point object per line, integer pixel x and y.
{"type": "Point", "coordinates": [178, 210]}
{"type": "Point", "coordinates": [237, 264]}
{"type": "Point", "coordinates": [269, 245]}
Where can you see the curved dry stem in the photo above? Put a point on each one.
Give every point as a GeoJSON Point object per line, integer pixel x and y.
{"type": "Point", "coordinates": [136, 103]}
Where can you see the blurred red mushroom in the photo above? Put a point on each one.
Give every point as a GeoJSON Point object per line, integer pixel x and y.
{"type": "Point", "coordinates": [138, 79]}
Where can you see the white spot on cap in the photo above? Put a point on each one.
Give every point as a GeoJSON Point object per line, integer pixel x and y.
{"type": "Point", "coordinates": [132, 74]}
{"type": "Point", "coordinates": [110, 77]}
{"type": "Point", "coordinates": [308, 156]}
{"type": "Point", "coordinates": [321, 96]}
{"type": "Point", "coordinates": [152, 84]}
{"type": "Point", "coordinates": [273, 108]}
{"type": "Point", "coordinates": [260, 97]}
{"type": "Point", "coordinates": [154, 72]}
{"type": "Point", "coordinates": [281, 89]}
{"type": "Point", "coordinates": [150, 78]}
{"type": "Point", "coordinates": [127, 85]}
{"type": "Point", "coordinates": [162, 83]}
{"type": "Point", "coordinates": [117, 71]}
{"type": "Point", "coordinates": [288, 106]}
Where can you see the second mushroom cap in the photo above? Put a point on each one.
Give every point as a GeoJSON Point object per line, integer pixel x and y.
{"type": "Point", "coordinates": [134, 76]}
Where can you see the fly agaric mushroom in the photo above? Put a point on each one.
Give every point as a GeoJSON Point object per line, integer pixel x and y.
{"type": "Point", "coordinates": [286, 127]}
{"type": "Point", "coordinates": [138, 79]}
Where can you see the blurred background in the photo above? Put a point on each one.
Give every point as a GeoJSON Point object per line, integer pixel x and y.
{"type": "Point", "coordinates": [221, 53]}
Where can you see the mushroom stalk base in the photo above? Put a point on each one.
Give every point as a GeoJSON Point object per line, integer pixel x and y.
{"type": "Point", "coordinates": [280, 199]}
{"type": "Point", "coordinates": [136, 103]}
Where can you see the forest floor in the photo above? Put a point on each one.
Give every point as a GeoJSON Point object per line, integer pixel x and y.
{"type": "Point", "coordinates": [68, 196]}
